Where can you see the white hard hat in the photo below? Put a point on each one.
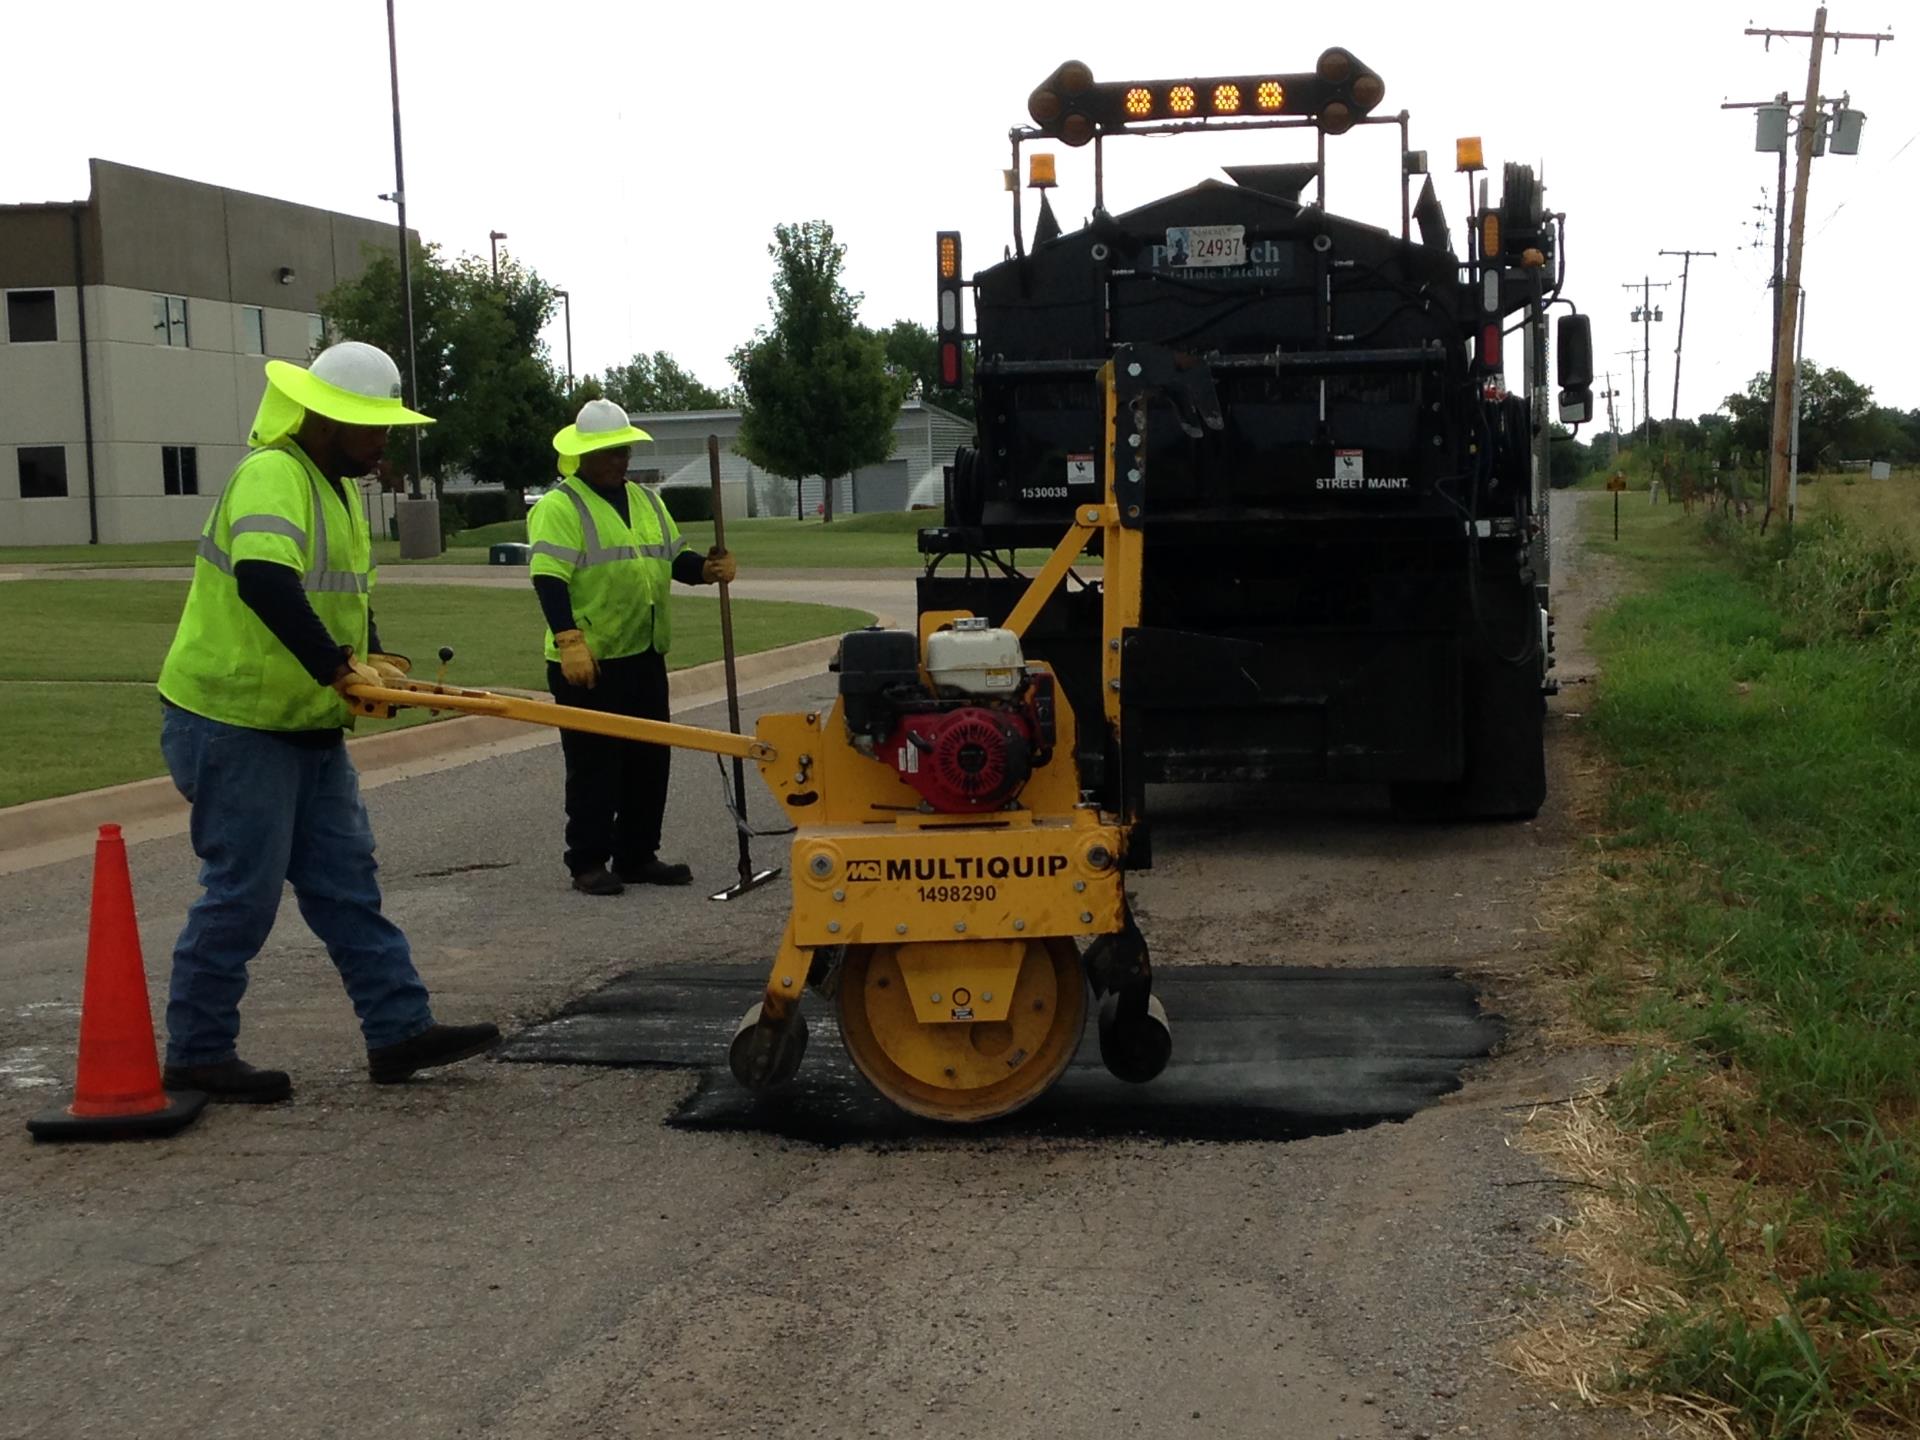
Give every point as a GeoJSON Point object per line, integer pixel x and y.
{"type": "Point", "coordinates": [598, 416]}
{"type": "Point", "coordinates": [359, 368]}
{"type": "Point", "coordinates": [600, 425]}
{"type": "Point", "coordinates": [352, 382]}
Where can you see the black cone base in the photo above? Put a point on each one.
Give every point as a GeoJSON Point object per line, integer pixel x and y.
{"type": "Point", "coordinates": [182, 1108]}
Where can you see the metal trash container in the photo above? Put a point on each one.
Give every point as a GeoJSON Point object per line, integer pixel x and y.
{"type": "Point", "coordinates": [509, 552]}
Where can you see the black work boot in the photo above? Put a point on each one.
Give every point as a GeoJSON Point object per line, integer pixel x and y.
{"type": "Point", "coordinates": [438, 1045]}
{"type": "Point", "coordinates": [598, 881]}
{"type": "Point", "coordinates": [656, 872]}
{"type": "Point", "coordinates": [233, 1082]}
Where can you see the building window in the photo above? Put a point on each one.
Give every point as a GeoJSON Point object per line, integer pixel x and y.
{"type": "Point", "coordinates": [170, 320]}
{"type": "Point", "coordinates": [253, 330]}
{"type": "Point", "coordinates": [43, 472]}
{"type": "Point", "coordinates": [180, 466]}
{"type": "Point", "coordinates": [316, 335]}
{"type": "Point", "coordinates": [30, 316]}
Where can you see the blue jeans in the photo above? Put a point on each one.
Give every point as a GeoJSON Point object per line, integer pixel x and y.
{"type": "Point", "coordinates": [267, 811]}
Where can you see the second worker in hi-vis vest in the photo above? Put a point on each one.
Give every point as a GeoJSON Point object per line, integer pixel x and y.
{"type": "Point", "coordinates": [605, 552]}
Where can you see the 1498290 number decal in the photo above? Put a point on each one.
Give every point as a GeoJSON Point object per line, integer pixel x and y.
{"type": "Point", "coordinates": [958, 894]}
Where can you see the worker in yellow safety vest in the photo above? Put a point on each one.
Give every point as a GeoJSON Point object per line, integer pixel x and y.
{"type": "Point", "coordinates": [605, 552]}
{"type": "Point", "coordinates": [278, 622]}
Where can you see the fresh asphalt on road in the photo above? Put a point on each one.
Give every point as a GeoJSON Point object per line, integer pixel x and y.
{"type": "Point", "coordinates": [531, 1249]}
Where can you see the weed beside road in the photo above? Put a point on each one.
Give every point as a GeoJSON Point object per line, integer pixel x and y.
{"type": "Point", "coordinates": [78, 659]}
{"type": "Point", "coordinates": [1755, 927]}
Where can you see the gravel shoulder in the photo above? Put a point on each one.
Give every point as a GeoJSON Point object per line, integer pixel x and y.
{"type": "Point", "coordinates": [526, 1250]}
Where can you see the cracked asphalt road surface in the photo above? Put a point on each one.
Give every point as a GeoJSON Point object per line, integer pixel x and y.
{"type": "Point", "coordinates": [528, 1250]}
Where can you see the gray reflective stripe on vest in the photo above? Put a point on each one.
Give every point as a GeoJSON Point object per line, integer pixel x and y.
{"type": "Point", "coordinates": [560, 552]}
{"type": "Point", "coordinates": [210, 551]}
{"type": "Point", "coordinates": [318, 579]}
{"type": "Point", "coordinates": [666, 550]}
{"type": "Point", "coordinates": [598, 554]}
{"type": "Point", "coordinates": [268, 525]}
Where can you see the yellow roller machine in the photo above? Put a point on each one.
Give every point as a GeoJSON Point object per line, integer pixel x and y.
{"type": "Point", "coordinates": [945, 862]}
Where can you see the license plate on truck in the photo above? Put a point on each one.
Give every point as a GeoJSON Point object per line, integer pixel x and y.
{"type": "Point", "coordinates": [1193, 246]}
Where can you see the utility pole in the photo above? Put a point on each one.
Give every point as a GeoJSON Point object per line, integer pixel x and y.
{"type": "Point", "coordinates": [1633, 390]}
{"type": "Point", "coordinates": [1646, 315]}
{"type": "Point", "coordinates": [1780, 462]}
{"type": "Point", "coordinates": [1686, 262]}
{"type": "Point", "coordinates": [1613, 425]}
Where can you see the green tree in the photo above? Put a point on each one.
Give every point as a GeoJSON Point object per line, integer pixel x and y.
{"type": "Point", "coordinates": [484, 372]}
{"type": "Point", "coordinates": [1567, 458]}
{"type": "Point", "coordinates": [817, 397]}
{"type": "Point", "coordinates": [1834, 411]}
{"type": "Point", "coordinates": [913, 355]}
{"type": "Point", "coordinates": [648, 384]}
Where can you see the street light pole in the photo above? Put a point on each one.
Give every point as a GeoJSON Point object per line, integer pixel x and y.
{"type": "Point", "coordinates": [406, 258]}
{"type": "Point", "coordinates": [566, 301]}
{"type": "Point", "coordinates": [494, 237]}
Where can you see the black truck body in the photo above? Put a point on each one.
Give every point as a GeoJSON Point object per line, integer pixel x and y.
{"type": "Point", "coordinates": [1345, 580]}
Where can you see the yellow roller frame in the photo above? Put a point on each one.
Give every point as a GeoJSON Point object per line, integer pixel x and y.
{"type": "Point", "coordinates": [976, 1068]}
{"type": "Point", "coordinates": [961, 993]}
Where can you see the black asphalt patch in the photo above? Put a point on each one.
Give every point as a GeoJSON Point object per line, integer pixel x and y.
{"type": "Point", "coordinates": [1260, 1052]}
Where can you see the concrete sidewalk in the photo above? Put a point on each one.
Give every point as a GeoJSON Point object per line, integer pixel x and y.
{"type": "Point", "coordinates": [886, 593]}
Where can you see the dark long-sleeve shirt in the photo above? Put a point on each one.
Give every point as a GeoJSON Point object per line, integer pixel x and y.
{"type": "Point", "coordinates": [274, 593]}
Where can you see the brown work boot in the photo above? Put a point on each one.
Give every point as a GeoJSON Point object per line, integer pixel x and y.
{"type": "Point", "coordinates": [437, 1045]}
{"type": "Point", "coordinates": [232, 1082]}
{"type": "Point", "coordinates": [598, 881]}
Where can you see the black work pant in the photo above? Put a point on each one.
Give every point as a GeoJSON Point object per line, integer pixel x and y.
{"type": "Point", "coordinates": [616, 789]}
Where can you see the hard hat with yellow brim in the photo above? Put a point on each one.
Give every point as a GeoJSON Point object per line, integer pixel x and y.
{"type": "Point", "coordinates": [351, 382]}
{"type": "Point", "coordinates": [600, 425]}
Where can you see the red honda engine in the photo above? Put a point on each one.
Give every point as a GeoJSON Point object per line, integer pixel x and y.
{"type": "Point", "coordinates": [972, 758]}
{"type": "Point", "coordinates": [971, 741]}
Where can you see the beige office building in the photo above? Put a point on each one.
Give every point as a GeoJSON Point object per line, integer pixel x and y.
{"type": "Point", "coordinates": [132, 346]}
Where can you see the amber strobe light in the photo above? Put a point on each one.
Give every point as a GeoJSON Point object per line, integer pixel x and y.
{"type": "Point", "coordinates": [948, 248]}
{"type": "Point", "coordinates": [1338, 93]}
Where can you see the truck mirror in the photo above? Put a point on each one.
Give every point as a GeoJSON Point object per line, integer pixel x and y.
{"type": "Point", "coordinates": [1576, 405]}
{"type": "Point", "coordinates": [1574, 356]}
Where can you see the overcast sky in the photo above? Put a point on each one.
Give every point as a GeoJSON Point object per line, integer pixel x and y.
{"type": "Point", "coordinates": [640, 155]}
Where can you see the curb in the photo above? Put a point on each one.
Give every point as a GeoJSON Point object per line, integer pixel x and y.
{"type": "Point", "coordinates": [42, 831]}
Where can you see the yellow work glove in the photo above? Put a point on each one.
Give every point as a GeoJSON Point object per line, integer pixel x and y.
{"type": "Point", "coordinates": [392, 669]}
{"type": "Point", "coordinates": [576, 660]}
{"type": "Point", "coordinates": [719, 567]}
{"type": "Point", "coordinates": [355, 672]}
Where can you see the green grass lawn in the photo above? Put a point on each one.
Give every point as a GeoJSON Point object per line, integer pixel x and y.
{"type": "Point", "coordinates": [108, 638]}
{"type": "Point", "coordinates": [180, 552]}
{"type": "Point", "coordinates": [1755, 927]}
{"type": "Point", "coordinates": [880, 541]}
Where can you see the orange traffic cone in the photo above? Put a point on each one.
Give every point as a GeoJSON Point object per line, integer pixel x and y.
{"type": "Point", "coordinates": [116, 1092]}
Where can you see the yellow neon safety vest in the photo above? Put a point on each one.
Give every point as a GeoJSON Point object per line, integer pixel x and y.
{"type": "Point", "coordinates": [618, 574]}
{"type": "Point", "coordinates": [225, 664]}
